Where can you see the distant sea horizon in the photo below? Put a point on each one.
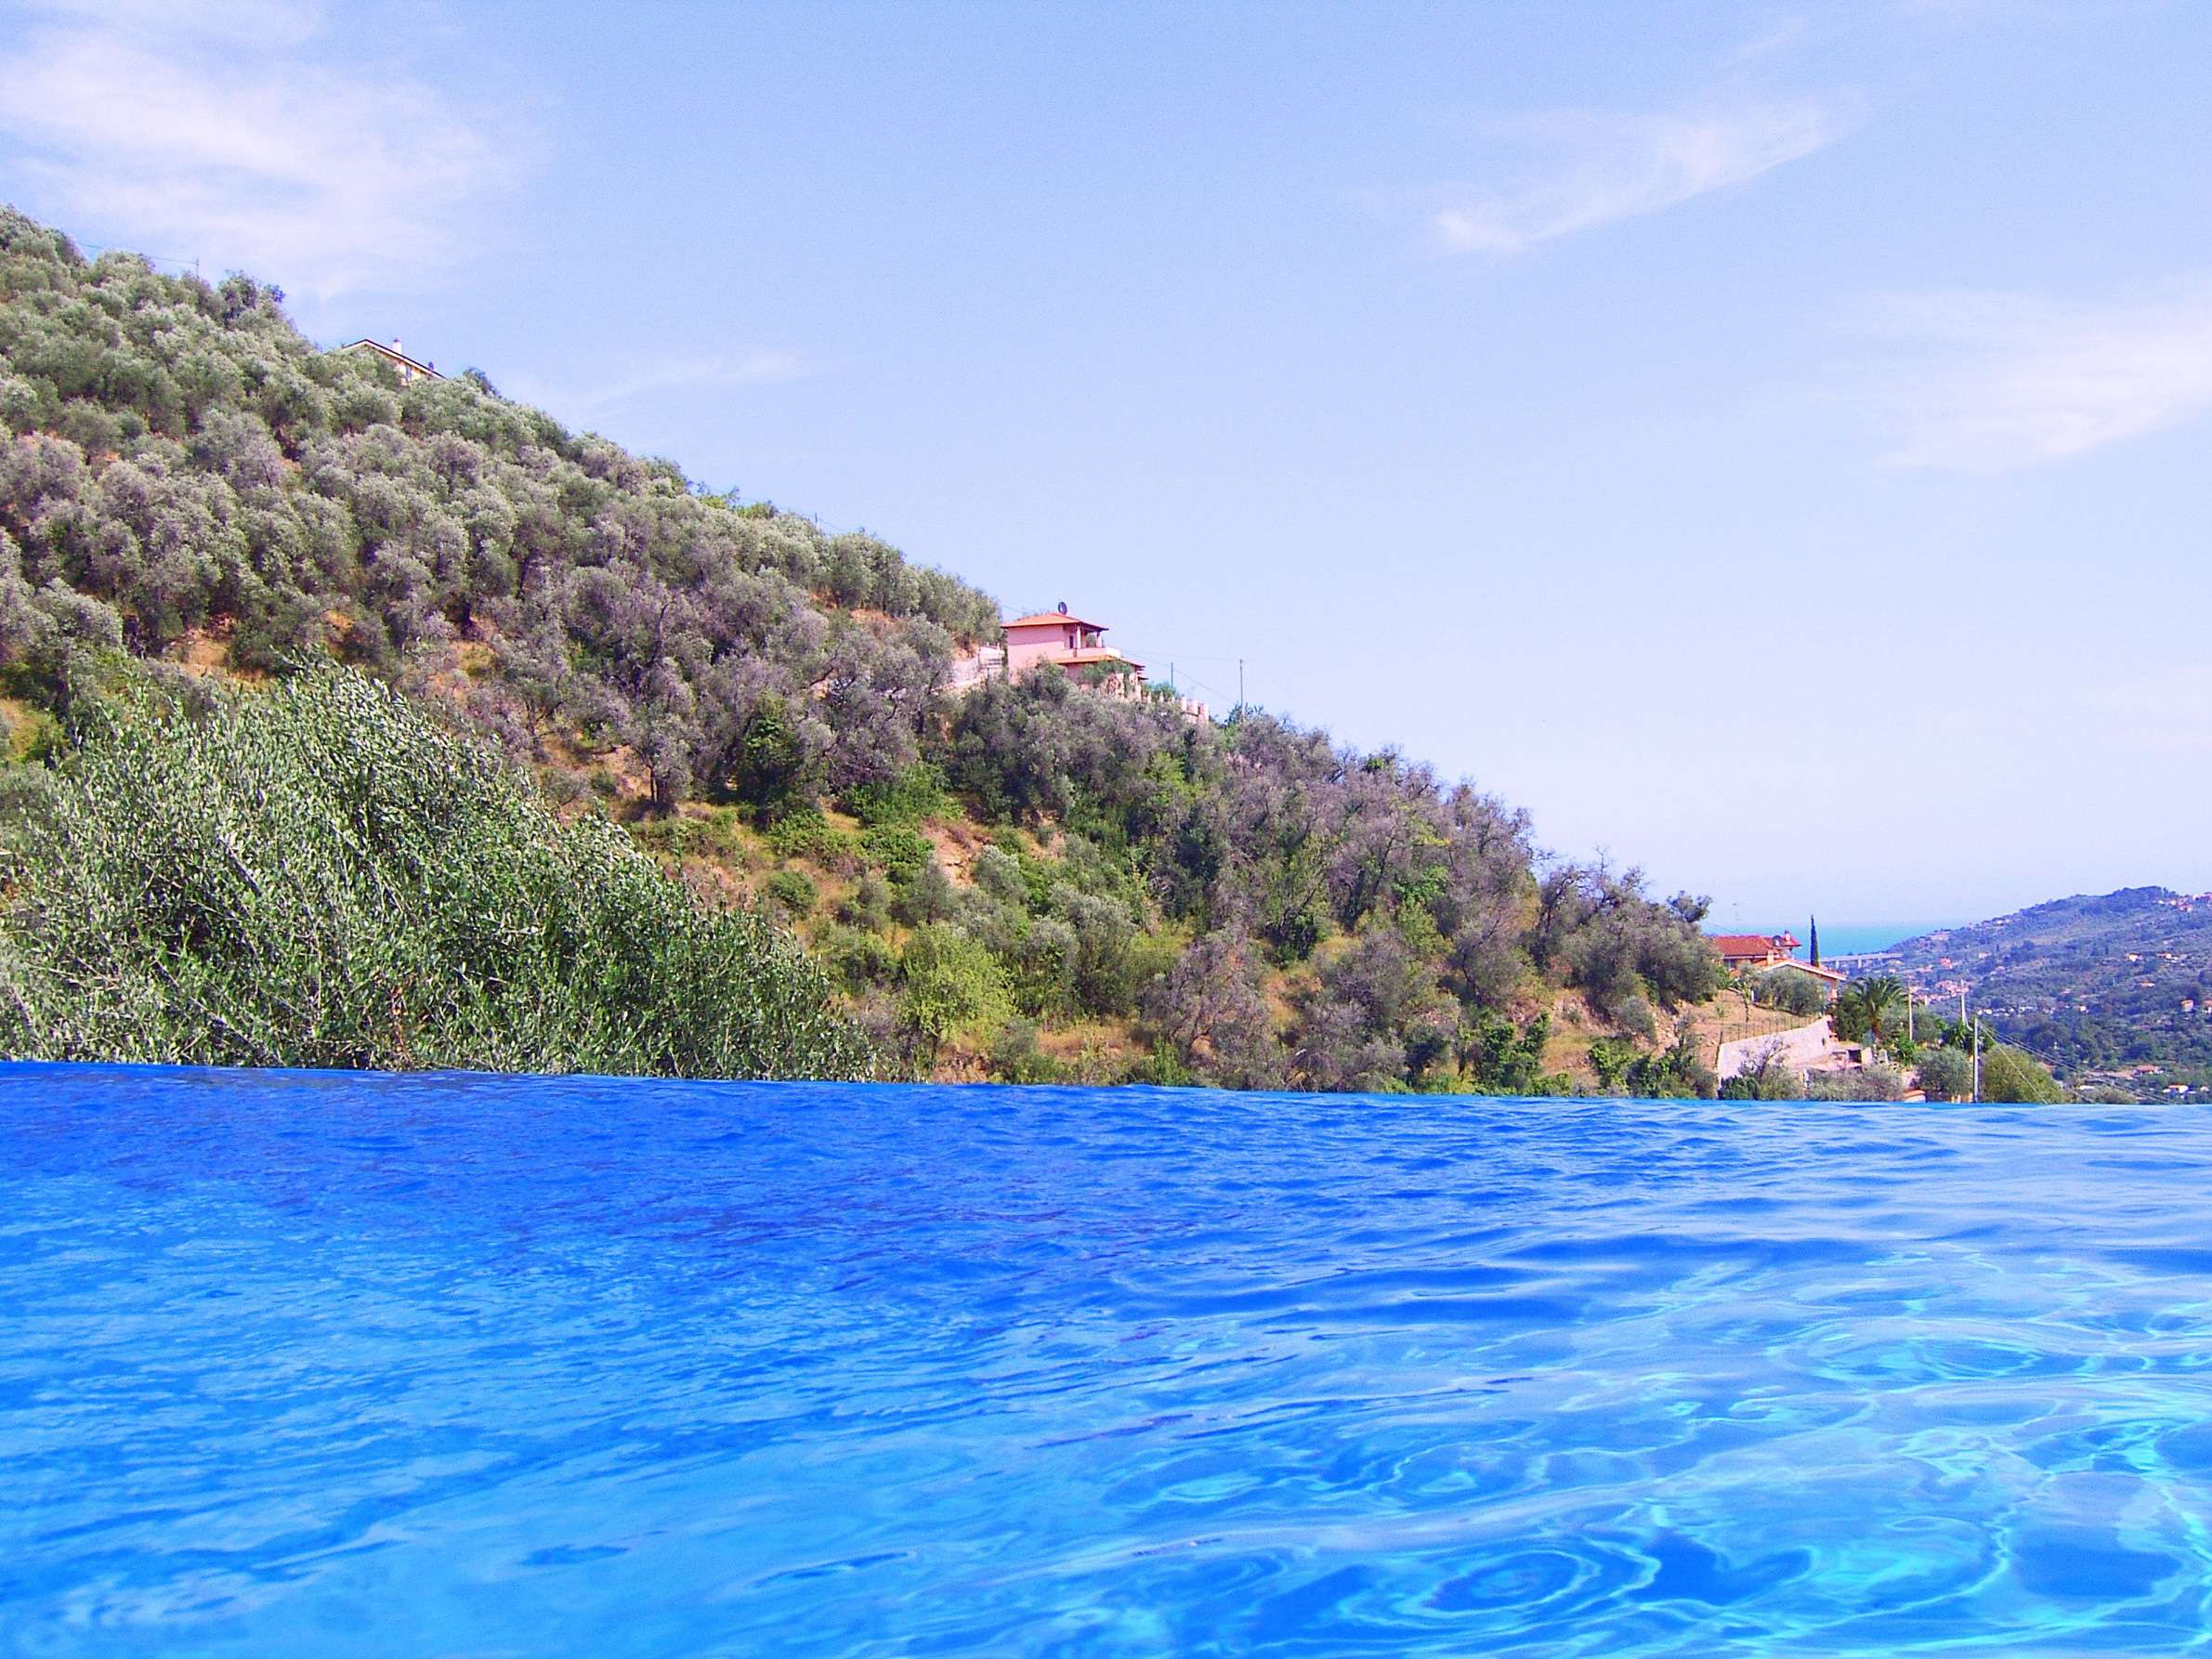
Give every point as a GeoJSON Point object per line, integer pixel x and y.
{"type": "Point", "coordinates": [1854, 939]}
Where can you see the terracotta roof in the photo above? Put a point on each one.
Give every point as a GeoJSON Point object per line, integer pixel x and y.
{"type": "Point", "coordinates": [1748, 944]}
{"type": "Point", "coordinates": [1053, 618]}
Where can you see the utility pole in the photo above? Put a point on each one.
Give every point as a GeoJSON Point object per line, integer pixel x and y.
{"type": "Point", "coordinates": [1240, 685]}
{"type": "Point", "coordinates": [1977, 1059]}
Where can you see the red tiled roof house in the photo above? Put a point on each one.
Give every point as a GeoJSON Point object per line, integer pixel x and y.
{"type": "Point", "coordinates": [1754, 953]}
{"type": "Point", "coordinates": [1073, 644]}
{"type": "Point", "coordinates": [1754, 950]}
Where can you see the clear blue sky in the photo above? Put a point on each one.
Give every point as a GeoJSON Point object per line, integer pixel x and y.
{"type": "Point", "coordinates": [1766, 441]}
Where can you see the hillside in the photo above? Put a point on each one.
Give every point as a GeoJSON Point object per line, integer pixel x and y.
{"type": "Point", "coordinates": [1024, 881]}
{"type": "Point", "coordinates": [2112, 989]}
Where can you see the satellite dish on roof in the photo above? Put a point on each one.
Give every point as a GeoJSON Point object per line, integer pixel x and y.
{"type": "Point", "coordinates": [1063, 608]}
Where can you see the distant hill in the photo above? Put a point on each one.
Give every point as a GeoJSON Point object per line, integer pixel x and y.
{"type": "Point", "coordinates": [2113, 987]}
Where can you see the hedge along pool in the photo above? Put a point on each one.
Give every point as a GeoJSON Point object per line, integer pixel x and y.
{"type": "Point", "coordinates": [340, 1363]}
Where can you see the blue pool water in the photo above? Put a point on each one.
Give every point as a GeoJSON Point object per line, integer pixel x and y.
{"type": "Point", "coordinates": [332, 1365]}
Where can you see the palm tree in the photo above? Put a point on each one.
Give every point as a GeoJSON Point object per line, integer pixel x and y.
{"type": "Point", "coordinates": [1870, 1003]}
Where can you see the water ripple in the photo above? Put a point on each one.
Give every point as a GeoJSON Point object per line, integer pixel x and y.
{"type": "Point", "coordinates": [295, 1362]}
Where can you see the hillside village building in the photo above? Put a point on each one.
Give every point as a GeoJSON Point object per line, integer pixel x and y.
{"type": "Point", "coordinates": [1071, 643]}
{"type": "Point", "coordinates": [409, 369]}
{"type": "Point", "coordinates": [1755, 953]}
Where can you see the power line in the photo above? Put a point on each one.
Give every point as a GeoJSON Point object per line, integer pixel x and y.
{"type": "Point", "coordinates": [150, 258]}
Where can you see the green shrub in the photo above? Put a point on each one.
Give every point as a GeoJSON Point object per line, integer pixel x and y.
{"type": "Point", "coordinates": [1497, 1057]}
{"type": "Point", "coordinates": [915, 793]}
{"type": "Point", "coordinates": [2010, 1075]}
{"type": "Point", "coordinates": [792, 892]}
{"type": "Point", "coordinates": [1015, 1058]}
{"type": "Point", "coordinates": [868, 904]}
{"type": "Point", "coordinates": [856, 960]}
{"type": "Point", "coordinates": [685, 836]}
{"type": "Point", "coordinates": [1634, 1017]}
{"type": "Point", "coordinates": [1790, 991]}
{"type": "Point", "coordinates": [35, 737]}
{"type": "Point", "coordinates": [1859, 1083]}
{"type": "Point", "coordinates": [948, 984]}
{"type": "Point", "coordinates": [811, 836]}
{"type": "Point", "coordinates": [998, 875]}
{"type": "Point", "coordinates": [323, 875]}
{"type": "Point", "coordinates": [896, 850]}
{"type": "Point", "coordinates": [927, 894]}
{"type": "Point", "coordinates": [1610, 1057]}
{"type": "Point", "coordinates": [1769, 1076]}
{"type": "Point", "coordinates": [1675, 1073]}
{"type": "Point", "coordinates": [1161, 1069]}
{"type": "Point", "coordinates": [1946, 1074]}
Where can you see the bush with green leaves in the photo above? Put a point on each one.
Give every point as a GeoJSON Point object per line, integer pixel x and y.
{"type": "Point", "coordinates": [321, 875]}
{"type": "Point", "coordinates": [1945, 1073]}
{"type": "Point", "coordinates": [712, 834]}
{"type": "Point", "coordinates": [1610, 1058]}
{"type": "Point", "coordinates": [901, 853]}
{"type": "Point", "coordinates": [910, 796]}
{"type": "Point", "coordinates": [867, 907]}
{"type": "Point", "coordinates": [949, 986]}
{"type": "Point", "coordinates": [791, 892]}
{"type": "Point", "coordinates": [1790, 991]}
{"type": "Point", "coordinates": [1856, 1083]}
{"type": "Point", "coordinates": [1769, 1077]}
{"type": "Point", "coordinates": [2010, 1075]}
{"type": "Point", "coordinates": [1016, 1057]}
{"type": "Point", "coordinates": [810, 836]}
{"type": "Point", "coordinates": [1678, 1072]}
{"type": "Point", "coordinates": [856, 960]}
{"type": "Point", "coordinates": [1499, 1058]}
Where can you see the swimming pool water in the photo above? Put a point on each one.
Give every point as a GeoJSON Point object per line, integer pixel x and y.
{"type": "Point", "coordinates": [298, 1362]}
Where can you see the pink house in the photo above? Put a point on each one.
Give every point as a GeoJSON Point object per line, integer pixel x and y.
{"type": "Point", "coordinates": [1054, 636]}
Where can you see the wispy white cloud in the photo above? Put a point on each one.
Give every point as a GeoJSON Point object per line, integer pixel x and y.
{"type": "Point", "coordinates": [1602, 168]}
{"type": "Point", "coordinates": [590, 400]}
{"type": "Point", "coordinates": [1994, 381]}
{"type": "Point", "coordinates": [235, 133]}
{"type": "Point", "coordinates": [1783, 36]}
